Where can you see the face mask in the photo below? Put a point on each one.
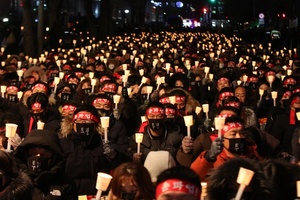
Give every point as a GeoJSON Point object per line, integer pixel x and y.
{"type": "Point", "coordinates": [290, 86]}
{"type": "Point", "coordinates": [73, 86]}
{"type": "Point", "coordinates": [37, 164]}
{"type": "Point", "coordinates": [12, 98]}
{"type": "Point", "coordinates": [253, 86]}
{"type": "Point", "coordinates": [236, 145]}
{"type": "Point", "coordinates": [102, 112]}
{"type": "Point", "coordinates": [85, 128]}
{"type": "Point", "coordinates": [198, 83]}
{"type": "Point", "coordinates": [143, 97]}
{"type": "Point", "coordinates": [28, 86]}
{"type": "Point", "coordinates": [170, 120]}
{"type": "Point", "coordinates": [156, 124]}
{"type": "Point", "coordinates": [87, 91]}
{"type": "Point", "coordinates": [38, 116]}
{"type": "Point", "coordinates": [128, 196]}
{"type": "Point", "coordinates": [66, 96]}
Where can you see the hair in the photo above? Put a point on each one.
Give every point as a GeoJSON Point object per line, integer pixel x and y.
{"type": "Point", "coordinates": [7, 164]}
{"type": "Point", "coordinates": [37, 98]}
{"type": "Point", "coordinates": [92, 97]}
{"type": "Point", "coordinates": [282, 176]}
{"type": "Point", "coordinates": [222, 180]}
{"type": "Point", "coordinates": [179, 172]}
{"type": "Point", "coordinates": [138, 174]}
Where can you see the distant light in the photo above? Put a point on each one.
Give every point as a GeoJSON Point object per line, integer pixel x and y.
{"type": "Point", "coordinates": [47, 28]}
{"type": "Point", "coordinates": [179, 4]}
{"type": "Point", "coordinates": [126, 11]}
{"type": "Point", "coordinates": [5, 20]}
{"type": "Point", "coordinates": [36, 20]}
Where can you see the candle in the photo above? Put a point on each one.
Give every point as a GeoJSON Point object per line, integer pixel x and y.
{"type": "Point", "coordinates": [298, 188]}
{"type": "Point", "coordinates": [61, 75]}
{"type": "Point", "coordinates": [244, 178]}
{"type": "Point", "coordinates": [143, 81]}
{"type": "Point", "coordinates": [105, 125]}
{"type": "Point", "coordinates": [188, 120]}
{"type": "Point", "coordinates": [124, 66]}
{"type": "Point", "coordinates": [40, 125]}
{"type": "Point", "coordinates": [139, 140]}
{"type": "Point", "coordinates": [116, 100]}
{"type": "Point", "coordinates": [19, 95]}
{"type": "Point", "coordinates": [93, 83]}
{"type": "Point", "coordinates": [149, 90]}
{"type": "Point", "coordinates": [198, 110]}
{"type": "Point", "coordinates": [3, 90]}
{"type": "Point", "coordinates": [168, 66]}
{"type": "Point", "coordinates": [211, 76]}
{"type": "Point", "coordinates": [274, 96]}
{"type": "Point", "coordinates": [205, 108]}
{"type": "Point", "coordinates": [206, 70]}
{"type": "Point", "coordinates": [124, 80]}
{"type": "Point", "coordinates": [238, 82]}
{"type": "Point", "coordinates": [10, 132]}
{"type": "Point", "coordinates": [20, 74]}
{"type": "Point", "coordinates": [102, 183]}
{"type": "Point", "coordinates": [172, 100]}
{"type": "Point", "coordinates": [91, 75]}
{"type": "Point", "coordinates": [219, 124]}
{"type": "Point", "coordinates": [141, 71]}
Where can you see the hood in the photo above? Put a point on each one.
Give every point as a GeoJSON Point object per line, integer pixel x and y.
{"type": "Point", "coordinates": [45, 138]}
{"type": "Point", "coordinates": [40, 71]}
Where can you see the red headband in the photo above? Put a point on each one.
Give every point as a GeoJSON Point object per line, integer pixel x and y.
{"type": "Point", "coordinates": [286, 95]}
{"type": "Point", "coordinates": [12, 88]}
{"type": "Point", "coordinates": [73, 79]}
{"type": "Point", "coordinates": [164, 100]}
{"type": "Point", "coordinates": [68, 108]}
{"type": "Point", "coordinates": [180, 70]}
{"type": "Point", "coordinates": [176, 185]}
{"type": "Point", "coordinates": [170, 111]}
{"type": "Point", "coordinates": [223, 79]}
{"type": "Point", "coordinates": [270, 73]}
{"type": "Point", "coordinates": [230, 126]}
{"type": "Point", "coordinates": [253, 80]}
{"type": "Point", "coordinates": [180, 99]}
{"type": "Point", "coordinates": [104, 78]}
{"type": "Point", "coordinates": [36, 106]}
{"type": "Point", "coordinates": [225, 94]}
{"type": "Point", "coordinates": [225, 115]}
{"type": "Point", "coordinates": [295, 99]}
{"type": "Point", "coordinates": [155, 110]}
{"type": "Point", "coordinates": [78, 74]}
{"type": "Point", "coordinates": [100, 100]}
{"type": "Point", "coordinates": [85, 116]}
{"type": "Point", "coordinates": [290, 81]}
{"type": "Point", "coordinates": [233, 104]}
{"type": "Point", "coordinates": [296, 90]}
{"type": "Point", "coordinates": [39, 85]}
{"type": "Point", "coordinates": [109, 87]}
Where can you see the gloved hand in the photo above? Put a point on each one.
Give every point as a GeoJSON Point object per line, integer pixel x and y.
{"type": "Point", "coordinates": [137, 157]}
{"type": "Point", "coordinates": [187, 144]}
{"type": "Point", "coordinates": [15, 141]}
{"type": "Point", "coordinates": [207, 123]}
{"type": "Point", "coordinates": [215, 149]}
{"type": "Point", "coordinates": [109, 151]}
{"type": "Point", "coordinates": [116, 113]}
{"type": "Point", "coordinates": [146, 102]}
{"type": "Point", "coordinates": [125, 93]}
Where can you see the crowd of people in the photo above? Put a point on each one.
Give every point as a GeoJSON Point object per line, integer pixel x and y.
{"type": "Point", "coordinates": [171, 87]}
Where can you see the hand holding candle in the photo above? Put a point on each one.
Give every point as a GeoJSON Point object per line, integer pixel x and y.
{"type": "Point", "coordinates": [10, 132]}
{"type": "Point", "coordinates": [205, 108]}
{"type": "Point", "coordinates": [116, 100]}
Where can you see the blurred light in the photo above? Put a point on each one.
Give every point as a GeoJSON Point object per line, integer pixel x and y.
{"type": "Point", "coordinates": [126, 11]}
{"type": "Point", "coordinates": [5, 20]}
{"type": "Point", "coordinates": [283, 15]}
{"type": "Point", "coordinates": [204, 10]}
{"type": "Point", "coordinates": [179, 4]}
{"type": "Point", "coordinates": [47, 28]}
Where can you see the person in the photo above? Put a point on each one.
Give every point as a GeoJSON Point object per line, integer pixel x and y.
{"type": "Point", "coordinates": [41, 157]}
{"type": "Point", "coordinates": [14, 184]}
{"type": "Point", "coordinates": [158, 135]}
{"type": "Point", "coordinates": [222, 182]}
{"type": "Point", "coordinates": [178, 183]}
{"type": "Point", "coordinates": [233, 143]}
{"type": "Point", "coordinates": [131, 181]}
{"type": "Point", "coordinates": [85, 151]}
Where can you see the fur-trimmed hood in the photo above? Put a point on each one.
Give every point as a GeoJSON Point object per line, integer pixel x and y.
{"type": "Point", "coordinates": [19, 188]}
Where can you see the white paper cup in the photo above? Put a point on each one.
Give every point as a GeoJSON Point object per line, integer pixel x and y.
{"type": "Point", "coordinates": [93, 81]}
{"type": "Point", "coordinates": [10, 130]}
{"type": "Point", "coordinates": [244, 176]}
{"type": "Point", "coordinates": [211, 76]}
{"type": "Point", "coordinates": [149, 89]}
{"type": "Point", "coordinates": [274, 94]}
{"type": "Point", "coordinates": [104, 122]}
{"type": "Point", "coordinates": [3, 88]}
{"type": "Point", "coordinates": [61, 75]}
{"type": "Point", "coordinates": [298, 115]}
{"type": "Point", "coordinates": [20, 94]}
{"type": "Point", "coordinates": [219, 122]}
{"type": "Point", "coordinates": [188, 120]}
{"type": "Point", "coordinates": [205, 107]}
{"type": "Point", "coordinates": [40, 125]}
{"type": "Point", "coordinates": [238, 82]}
{"type": "Point", "coordinates": [116, 98]}
{"type": "Point", "coordinates": [298, 188]}
{"type": "Point", "coordinates": [141, 72]}
{"type": "Point", "coordinates": [103, 181]}
{"type": "Point", "coordinates": [91, 75]}
{"type": "Point", "coordinates": [203, 187]}
{"type": "Point", "coordinates": [139, 137]}
{"type": "Point", "coordinates": [198, 110]}
{"type": "Point", "coordinates": [172, 100]}
{"type": "Point", "coordinates": [143, 119]}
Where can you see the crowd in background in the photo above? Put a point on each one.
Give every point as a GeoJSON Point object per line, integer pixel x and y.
{"type": "Point", "coordinates": [168, 86]}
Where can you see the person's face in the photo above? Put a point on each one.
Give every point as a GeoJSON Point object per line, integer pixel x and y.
{"type": "Point", "coordinates": [178, 83]}
{"type": "Point", "coordinates": [161, 92]}
{"type": "Point", "coordinates": [296, 104]}
{"type": "Point", "coordinates": [144, 90]}
{"type": "Point", "coordinates": [85, 85]}
{"type": "Point", "coordinates": [82, 121]}
{"type": "Point", "coordinates": [240, 93]}
{"type": "Point", "coordinates": [222, 84]}
{"type": "Point", "coordinates": [155, 116]}
{"type": "Point", "coordinates": [35, 75]}
{"type": "Point", "coordinates": [176, 196]}
{"type": "Point", "coordinates": [128, 186]}
{"type": "Point", "coordinates": [1, 144]}
{"type": "Point", "coordinates": [39, 151]}
{"type": "Point", "coordinates": [39, 89]}
{"type": "Point", "coordinates": [227, 112]}
{"type": "Point", "coordinates": [263, 87]}
{"type": "Point", "coordinates": [232, 133]}
{"type": "Point", "coordinates": [65, 90]}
